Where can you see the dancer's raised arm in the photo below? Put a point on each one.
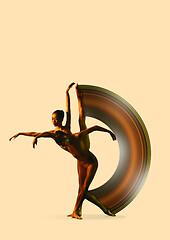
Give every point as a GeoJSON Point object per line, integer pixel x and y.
{"type": "Point", "coordinates": [68, 109]}
{"type": "Point", "coordinates": [96, 128]}
{"type": "Point", "coordinates": [30, 134]}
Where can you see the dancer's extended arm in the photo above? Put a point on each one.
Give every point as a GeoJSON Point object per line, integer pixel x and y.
{"type": "Point", "coordinates": [48, 134]}
{"type": "Point", "coordinates": [68, 109]}
{"type": "Point", "coordinates": [30, 134]}
{"type": "Point", "coordinates": [96, 128]}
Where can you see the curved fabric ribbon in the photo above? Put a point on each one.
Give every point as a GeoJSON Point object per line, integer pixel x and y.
{"type": "Point", "coordinates": [134, 146]}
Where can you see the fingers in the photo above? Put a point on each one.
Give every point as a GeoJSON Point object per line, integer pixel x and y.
{"type": "Point", "coordinates": [70, 86]}
{"type": "Point", "coordinates": [113, 136]}
{"type": "Point", "coordinates": [34, 143]}
{"type": "Point", "coordinates": [12, 138]}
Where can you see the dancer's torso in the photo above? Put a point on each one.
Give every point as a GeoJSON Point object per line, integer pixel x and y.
{"type": "Point", "coordinates": [75, 145]}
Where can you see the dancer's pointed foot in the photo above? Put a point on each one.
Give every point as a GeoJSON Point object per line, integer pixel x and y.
{"type": "Point", "coordinates": [74, 215]}
{"type": "Point", "coordinates": [108, 212]}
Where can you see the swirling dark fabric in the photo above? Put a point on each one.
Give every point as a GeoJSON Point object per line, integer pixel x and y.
{"type": "Point", "coordinates": [134, 146]}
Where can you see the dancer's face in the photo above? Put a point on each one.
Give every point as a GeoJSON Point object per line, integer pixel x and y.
{"type": "Point", "coordinates": [55, 119]}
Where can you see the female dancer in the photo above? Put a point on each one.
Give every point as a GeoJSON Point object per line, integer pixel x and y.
{"type": "Point", "coordinates": [78, 145]}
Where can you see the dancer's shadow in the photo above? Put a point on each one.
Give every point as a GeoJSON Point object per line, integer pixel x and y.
{"type": "Point", "coordinates": [102, 217]}
{"type": "Point", "coordinates": [85, 217]}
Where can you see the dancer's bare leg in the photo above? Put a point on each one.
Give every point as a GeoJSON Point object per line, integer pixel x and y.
{"type": "Point", "coordinates": [82, 176]}
{"type": "Point", "coordinates": [81, 182]}
{"type": "Point", "coordinates": [90, 197]}
{"type": "Point", "coordinates": [82, 115]}
{"type": "Point", "coordinates": [86, 175]}
{"type": "Point", "coordinates": [82, 123]}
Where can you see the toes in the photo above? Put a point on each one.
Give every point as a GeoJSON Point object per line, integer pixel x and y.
{"type": "Point", "coordinates": [110, 213]}
{"type": "Point", "coordinates": [74, 216]}
{"type": "Point", "coordinates": [78, 217]}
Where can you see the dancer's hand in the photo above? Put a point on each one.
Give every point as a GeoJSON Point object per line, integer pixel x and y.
{"type": "Point", "coordinates": [70, 86]}
{"type": "Point", "coordinates": [34, 142]}
{"type": "Point", "coordinates": [113, 136]}
{"type": "Point", "coordinates": [15, 136]}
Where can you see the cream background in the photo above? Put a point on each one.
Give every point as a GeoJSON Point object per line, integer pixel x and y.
{"type": "Point", "coordinates": [45, 45]}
